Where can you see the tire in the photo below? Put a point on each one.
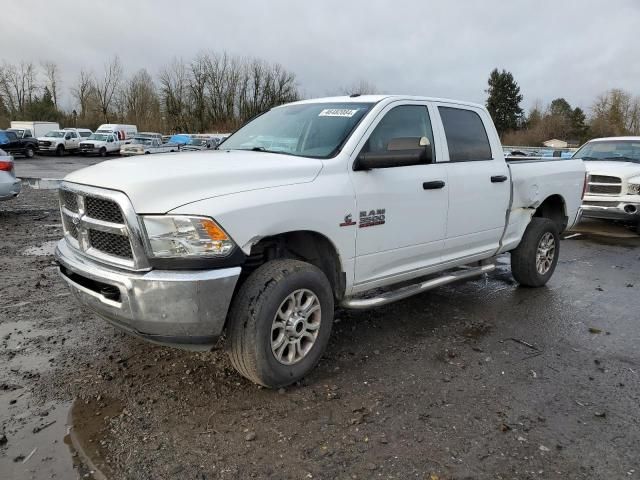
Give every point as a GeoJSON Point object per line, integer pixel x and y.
{"type": "Point", "coordinates": [524, 258]}
{"type": "Point", "coordinates": [103, 152]}
{"type": "Point", "coordinates": [60, 151]}
{"type": "Point", "coordinates": [29, 152]}
{"type": "Point", "coordinates": [251, 327]}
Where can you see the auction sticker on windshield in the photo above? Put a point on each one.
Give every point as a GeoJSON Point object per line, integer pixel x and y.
{"type": "Point", "coordinates": [337, 112]}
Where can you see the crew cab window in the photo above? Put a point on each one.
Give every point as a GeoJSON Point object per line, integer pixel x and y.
{"type": "Point", "coordinates": [404, 121]}
{"type": "Point", "coordinates": [466, 136]}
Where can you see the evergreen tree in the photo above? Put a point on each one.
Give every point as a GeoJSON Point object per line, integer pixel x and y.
{"type": "Point", "coordinates": [504, 100]}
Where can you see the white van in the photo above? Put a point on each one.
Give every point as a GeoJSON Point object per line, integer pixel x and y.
{"type": "Point", "coordinates": [124, 132]}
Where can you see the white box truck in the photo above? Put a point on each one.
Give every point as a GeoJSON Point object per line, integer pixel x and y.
{"type": "Point", "coordinates": [33, 129]}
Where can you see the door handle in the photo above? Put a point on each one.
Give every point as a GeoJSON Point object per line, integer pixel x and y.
{"type": "Point", "coordinates": [498, 178]}
{"type": "Point", "coordinates": [435, 185]}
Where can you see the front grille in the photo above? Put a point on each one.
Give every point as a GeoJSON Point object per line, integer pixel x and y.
{"type": "Point", "coordinates": [87, 146]}
{"type": "Point", "coordinates": [69, 200]}
{"type": "Point", "coordinates": [103, 209]}
{"type": "Point", "coordinates": [110, 243]}
{"type": "Point", "coordinates": [605, 189]}
{"type": "Point", "coordinates": [604, 179]}
{"type": "Point", "coordinates": [80, 214]}
{"type": "Point", "coordinates": [69, 226]}
{"type": "Point", "coordinates": [44, 144]}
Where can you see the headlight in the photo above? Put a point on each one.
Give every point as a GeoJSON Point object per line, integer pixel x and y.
{"type": "Point", "coordinates": [634, 188]}
{"type": "Point", "coordinates": [182, 236]}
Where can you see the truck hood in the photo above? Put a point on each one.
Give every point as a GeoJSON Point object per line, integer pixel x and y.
{"type": "Point", "coordinates": [159, 183]}
{"type": "Point", "coordinates": [624, 170]}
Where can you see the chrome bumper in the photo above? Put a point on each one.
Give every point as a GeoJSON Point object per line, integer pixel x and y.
{"type": "Point", "coordinates": [179, 308]}
{"type": "Point", "coordinates": [613, 210]}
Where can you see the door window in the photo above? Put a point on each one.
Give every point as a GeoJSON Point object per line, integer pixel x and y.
{"type": "Point", "coordinates": [404, 121]}
{"type": "Point", "coordinates": [466, 136]}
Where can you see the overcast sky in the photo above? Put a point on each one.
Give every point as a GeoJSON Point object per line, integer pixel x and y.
{"type": "Point", "coordinates": [564, 48]}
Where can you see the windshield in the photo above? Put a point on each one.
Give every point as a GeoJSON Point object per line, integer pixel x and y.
{"type": "Point", "coordinates": [99, 136]}
{"type": "Point", "coordinates": [55, 134]}
{"type": "Point", "coordinates": [17, 131]}
{"type": "Point", "coordinates": [616, 150]}
{"type": "Point", "coordinates": [315, 130]}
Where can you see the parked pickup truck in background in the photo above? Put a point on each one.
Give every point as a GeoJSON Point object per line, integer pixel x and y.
{"type": "Point", "coordinates": [353, 201]}
{"type": "Point", "coordinates": [145, 146]}
{"type": "Point", "coordinates": [613, 189]}
{"type": "Point", "coordinates": [14, 145]}
{"type": "Point", "coordinates": [101, 144]}
{"type": "Point", "coordinates": [61, 141]}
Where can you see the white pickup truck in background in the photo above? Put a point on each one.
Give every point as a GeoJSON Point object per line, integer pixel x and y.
{"type": "Point", "coordinates": [107, 139]}
{"type": "Point", "coordinates": [353, 201]}
{"type": "Point", "coordinates": [613, 189]}
{"type": "Point", "coordinates": [62, 141]}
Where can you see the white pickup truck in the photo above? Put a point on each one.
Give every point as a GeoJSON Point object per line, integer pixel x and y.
{"type": "Point", "coordinates": [353, 201]}
{"type": "Point", "coordinates": [101, 144]}
{"type": "Point", "coordinates": [613, 188]}
{"type": "Point", "coordinates": [61, 141]}
{"type": "Point", "coordinates": [146, 146]}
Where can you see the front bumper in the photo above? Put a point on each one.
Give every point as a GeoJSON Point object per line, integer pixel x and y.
{"type": "Point", "coordinates": [47, 148]}
{"type": "Point", "coordinates": [612, 209]}
{"type": "Point", "coordinates": [179, 308]}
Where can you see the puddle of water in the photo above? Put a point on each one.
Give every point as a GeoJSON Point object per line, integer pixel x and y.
{"type": "Point", "coordinates": [47, 248]}
{"type": "Point", "coordinates": [89, 422]}
{"type": "Point", "coordinates": [36, 449]}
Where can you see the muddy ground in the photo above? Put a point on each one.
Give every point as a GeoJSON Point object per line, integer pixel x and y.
{"type": "Point", "coordinates": [481, 380]}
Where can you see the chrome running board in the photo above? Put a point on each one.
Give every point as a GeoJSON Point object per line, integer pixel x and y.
{"type": "Point", "coordinates": [356, 303]}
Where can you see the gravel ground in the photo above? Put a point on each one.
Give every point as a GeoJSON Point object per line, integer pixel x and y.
{"type": "Point", "coordinates": [481, 380]}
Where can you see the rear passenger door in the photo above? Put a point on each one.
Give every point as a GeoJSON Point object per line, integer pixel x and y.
{"type": "Point", "coordinates": [479, 183]}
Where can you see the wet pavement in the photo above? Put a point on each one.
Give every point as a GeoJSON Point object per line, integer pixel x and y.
{"type": "Point", "coordinates": [476, 380]}
{"type": "Point", "coordinates": [50, 166]}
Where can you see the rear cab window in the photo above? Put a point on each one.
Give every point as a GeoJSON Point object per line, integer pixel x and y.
{"type": "Point", "coordinates": [466, 135]}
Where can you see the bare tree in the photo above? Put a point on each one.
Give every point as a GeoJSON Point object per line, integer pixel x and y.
{"type": "Point", "coordinates": [107, 86]}
{"type": "Point", "coordinates": [84, 92]}
{"type": "Point", "coordinates": [174, 86]}
{"type": "Point", "coordinates": [141, 104]}
{"type": "Point", "coordinates": [52, 77]}
{"type": "Point", "coordinates": [17, 86]}
{"type": "Point", "coordinates": [360, 87]}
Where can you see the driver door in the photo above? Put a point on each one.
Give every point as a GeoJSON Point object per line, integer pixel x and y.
{"type": "Point", "coordinates": [401, 211]}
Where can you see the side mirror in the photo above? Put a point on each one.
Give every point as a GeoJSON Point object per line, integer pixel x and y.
{"type": "Point", "coordinates": [67, 137]}
{"type": "Point", "coordinates": [401, 152]}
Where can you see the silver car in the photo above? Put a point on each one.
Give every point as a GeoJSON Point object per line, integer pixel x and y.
{"type": "Point", "coordinates": [9, 184]}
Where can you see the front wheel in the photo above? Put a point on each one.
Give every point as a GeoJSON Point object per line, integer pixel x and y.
{"type": "Point", "coordinates": [29, 152]}
{"type": "Point", "coordinates": [535, 259]}
{"type": "Point", "coordinates": [103, 152]}
{"type": "Point", "coordinates": [280, 322]}
{"type": "Point", "coordinates": [60, 151]}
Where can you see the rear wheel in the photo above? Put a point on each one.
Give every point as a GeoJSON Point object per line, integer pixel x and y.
{"type": "Point", "coordinates": [60, 150]}
{"type": "Point", "coordinates": [535, 259]}
{"type": "Point", "coordinates": [280, 322]}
